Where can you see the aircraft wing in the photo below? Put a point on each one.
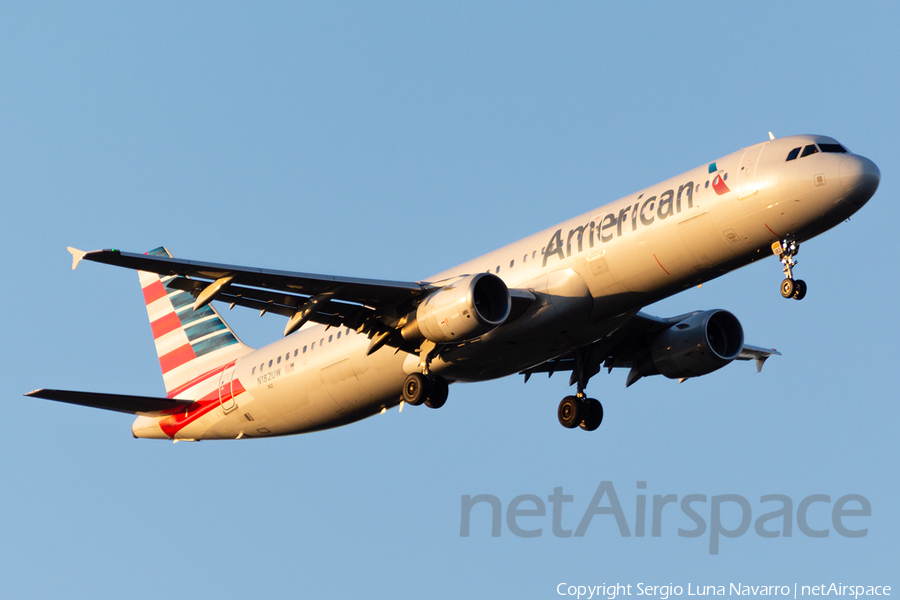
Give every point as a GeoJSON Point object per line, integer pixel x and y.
{"type": "Point", "coordinates": [372, 292]}
{"type": "Point", "coordinates": [367, 305]}
{"type": "Point", "coordinates": [136, 405]}
{"type": "Point", "coordinates": [626, 346]}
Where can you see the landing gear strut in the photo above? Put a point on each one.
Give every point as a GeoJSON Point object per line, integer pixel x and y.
{"type": "Point", "coordinates": [579, 410]}
{"type": "Point", "coordinates": [419, 389]}
{"type": "Point", "coordinates": [786, 250]}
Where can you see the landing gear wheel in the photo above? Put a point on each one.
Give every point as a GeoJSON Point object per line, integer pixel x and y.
{"type": "Point", "coordinates": [787, 288]}
{"type": "Point", "coordinates": [786, 249]}
{"type": "Point", "coordinates": [415, 389]}
{"type": "Point", "coordinates": [593, 414]}
{"type": "Point", "coordinates": [438, 395]}
{"type": "Point", "coordinates": [571, 412]}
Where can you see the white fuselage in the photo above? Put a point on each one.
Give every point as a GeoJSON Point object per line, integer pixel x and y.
{"type": "Point", "coordinates": [588, 274]}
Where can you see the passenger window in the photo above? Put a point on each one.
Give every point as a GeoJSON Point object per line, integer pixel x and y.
{"type": "Point", "coordinates": [511, 263]}
{"type": "Point", "coordinates": [339, 335]}
{"type": "Point", "coordinates": [707, 184]}
{"type": "Point", "coordinates": [296, 352]}
{"type": "Point", "coordinates": [811, 149]}
{"type": "Point", "coordinates": [698, 187]}
{"type": "Point", "coordinates": [533, 254]}
{"type": "Point", "coordinates": [726, 177]}
{"type": "Point", "coordinates": [253, 372]}
{"type": "Point", "coordinates": [832, 148]}
{"type": "Point", "coordinates": [270, 363]}
{"type": "Point", "coordinates": [498, 268]}
{"type": "Point", "coordinates": [278, 362]}
{"type": "Point", "coordinates": [287, 357]}
{"type": "Point", "coordinates": [793, 154]}
{"type": "Point", "coordinates": [304, 349]}
{"type": "Point", "coordinates": [524, 257]}
{"type": "Point", "coordinates": [262, 366]}
{"type": "Point", "coordinates": [329, 338]}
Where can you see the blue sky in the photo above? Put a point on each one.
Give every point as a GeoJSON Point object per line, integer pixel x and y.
{"type": "Point", "coordinates": [393, 141]}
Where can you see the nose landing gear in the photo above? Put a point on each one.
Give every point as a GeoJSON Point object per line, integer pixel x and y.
{"type": "Point", "coordinates": [786, 250]}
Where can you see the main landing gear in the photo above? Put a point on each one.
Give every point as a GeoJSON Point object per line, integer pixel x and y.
{"type": "Point", "coordinates": [421, 389]}
{"type": "Point", "coordinates": [579, 410]}
{"type": "Point", "coordinates": [786, 250]}
{"type": "Point", "coordinates": [425, 387]}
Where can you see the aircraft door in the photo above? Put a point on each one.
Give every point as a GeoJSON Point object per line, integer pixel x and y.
{"type": "Point", "coordinates": [746, 174]}
{"type": "Point", "coordinates": [226, 394]}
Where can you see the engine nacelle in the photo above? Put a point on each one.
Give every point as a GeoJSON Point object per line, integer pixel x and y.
{"type": "Point", "coordinates": [698, 345]}
{"type": "Point", "coordinates": [468, 307]}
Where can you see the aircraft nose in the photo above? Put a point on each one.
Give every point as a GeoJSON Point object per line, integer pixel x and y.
{"type": "Point", "coordinates": [860, 178]}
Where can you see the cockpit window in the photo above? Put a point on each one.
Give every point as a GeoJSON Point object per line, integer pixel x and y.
{"type": "Point", "coordinates": [811, 149]}
{"type": "Point", "coordinates": [832, 148]}
{"type": "Point", "coordinates": [793, 153]}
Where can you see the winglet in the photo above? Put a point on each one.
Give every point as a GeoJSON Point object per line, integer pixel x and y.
{"type": "Point", "coordinates": [77, 255]}
{"type": "Point", "coordinates": [760, 355]}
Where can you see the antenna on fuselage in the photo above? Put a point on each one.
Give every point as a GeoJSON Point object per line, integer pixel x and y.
{"type": "Point", "coordinates": [771, 137]}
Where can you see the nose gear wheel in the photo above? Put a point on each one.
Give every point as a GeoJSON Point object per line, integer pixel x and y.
{"type": "Point", "coordinates": [786, 250]}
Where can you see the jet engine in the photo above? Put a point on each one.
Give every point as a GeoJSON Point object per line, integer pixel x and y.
{"type": "Point", "coordinates": [700, 344]}
{"type": "Point", "coordinates": [467, 308]}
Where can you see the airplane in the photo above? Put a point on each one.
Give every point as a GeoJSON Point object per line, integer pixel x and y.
{"type": "Point", "coordinates": [566, 299]}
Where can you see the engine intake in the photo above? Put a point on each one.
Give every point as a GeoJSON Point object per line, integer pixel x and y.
{"type": "Point", "coordinates": [467, 308]}
{"type": "Point", "coordinates": [698, 345]}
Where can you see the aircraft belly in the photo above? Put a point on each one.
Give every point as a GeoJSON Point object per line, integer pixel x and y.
{"type": "Point", "coordinates": [215, 424]}
{"type": "Point", "coordinates": [312, 397]}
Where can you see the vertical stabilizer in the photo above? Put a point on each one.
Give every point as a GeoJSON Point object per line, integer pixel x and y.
{"type": "Point", "coordinates": [192, 345]}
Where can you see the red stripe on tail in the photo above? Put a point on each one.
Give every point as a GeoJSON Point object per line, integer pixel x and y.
{"type": "Point", "coordinates": [176, 358]}
{"type": "Point", "coordinates": [154, 292]}
{"type": "Point", "coordinates": [175, 423]}
{"type": "Point", "coordinates": [197, 380]}
{"type": "Point", "coordinates": [165, 325]}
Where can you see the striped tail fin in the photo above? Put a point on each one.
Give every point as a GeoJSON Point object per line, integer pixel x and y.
{"type": "Point", "coordinates": [191, 344]}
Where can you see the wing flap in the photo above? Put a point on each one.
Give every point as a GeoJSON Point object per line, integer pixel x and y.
{"type": "Point", "coordinates": [136, 405]}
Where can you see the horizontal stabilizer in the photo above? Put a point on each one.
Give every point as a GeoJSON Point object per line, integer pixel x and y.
{"type": "Point", "coordinates": [136, 405]}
